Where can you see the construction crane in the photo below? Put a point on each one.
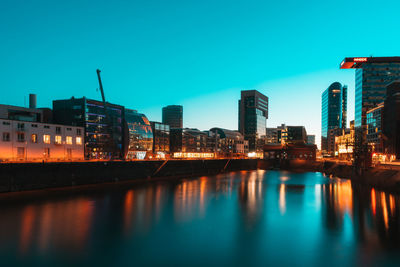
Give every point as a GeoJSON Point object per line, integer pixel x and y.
{"type": "Point", "coordinates": [110, 129]}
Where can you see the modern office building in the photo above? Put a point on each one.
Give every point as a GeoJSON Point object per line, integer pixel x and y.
{"type": "Point", "coordinates": [173, 116]}
{"type": "Point", "coordinates": [26, 140]}
{"type": "Point", "coordinates": [103, 137]}
{"type": "Point", "coordinates": [272, 135]}
{"type": "Point", "coordinates": [334, 112]}
{"type": "Point", "coordinates": [345, 143]}
{"type": "Point", "coordinates": [391, 118]}
{"type": "Point", "coordinates": [138, 139]}
{"type": "Point", "coordinates": [253, 115]}
{"type": "Point", "coordinates": [296, 134]}
{"type": "Point", "coordinates": [374, 128]}
{"type": "Point", "coordinates": [373, 75]}
{"type": "Point", "coordinates": [191, 143]}
{"type": "Point", "coordinates": [311, 139]}
{"type": "Point", "coordinates": [229, 143]}
{"type": "Point", "coordinates": [161, 135]}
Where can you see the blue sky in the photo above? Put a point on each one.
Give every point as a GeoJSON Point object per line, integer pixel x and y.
{"type": "Point", "coordinates": [196, 53]}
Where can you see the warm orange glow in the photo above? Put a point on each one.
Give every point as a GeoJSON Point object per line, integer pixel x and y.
{"type": "Point", "coordinates": [392, 204]}
{"type": "Point", "coordinates": [373, 201]}
{"type": "Point", "coordinates": [128, 203]}
{"type": "Point", "coordinates": [282, 199]}
{"type": "Point", "coordinates": [28, 216]}
{"type": "Point", "coordinates": [384, 210]}
{"type": "Point", "coordinates": [345, 196]}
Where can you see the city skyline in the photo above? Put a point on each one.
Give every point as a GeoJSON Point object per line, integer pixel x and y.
{"type": "Point", "coordinates": [188, 54]}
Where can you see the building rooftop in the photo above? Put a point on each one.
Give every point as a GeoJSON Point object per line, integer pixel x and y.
{"type": "Point", "coordinates": [357, 62]}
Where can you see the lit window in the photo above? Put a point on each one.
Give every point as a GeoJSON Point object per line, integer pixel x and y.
{"type": "Point", "coordinates": [79, 140]}
{"type": "Point", "coordinates": [46, 139]}
{"type": "Point", "coordinates": [68, 140]}
{"type": "Point", "coordinates": [57, 140]}
{"type": "Point", "coordinates": [34, 138]}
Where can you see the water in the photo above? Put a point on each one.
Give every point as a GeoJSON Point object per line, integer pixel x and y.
{"type": "Point", "coordinates": [254, 218]}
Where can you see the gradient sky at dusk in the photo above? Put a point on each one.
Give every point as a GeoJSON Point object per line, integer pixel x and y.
{"type": "Point", "coordinates": [196, 53]}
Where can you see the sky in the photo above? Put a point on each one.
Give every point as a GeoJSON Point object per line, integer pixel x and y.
{"type": "Point", "coordinates": [198, 54]}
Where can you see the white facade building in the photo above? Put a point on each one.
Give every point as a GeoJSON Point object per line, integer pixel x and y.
{"type": "Point", "coordinates": [36, 141]}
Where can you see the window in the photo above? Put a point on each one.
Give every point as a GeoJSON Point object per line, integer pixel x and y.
{"type": "Point", "coordinates": [46, 153]}
{"type": "Point", "coordinates": [21, 152]}
{"type": "Point", "coordinates": [46, 139]}
{"type": "Point", "coordinates": [6, 123]}
{"type": "Point", "coordinates": [58, 139]}
{"type": "Point", "coordinates": [46, 127]}
{"type": "Point", "coordinates": [78, 132]}
{"type": "Point", "coordinates": [69, 129]}
{"type": "Point", "coordinates": [6, 137]}
{"type": "Point", "coordinates": [79, 140]}
{"type": "Point", "coordinates": [34, 125]}
{"type": "Point", "coordinates": [21, 126]}
{"type": "Point", "coordinates": [68, 140]}
{"type": "Point", "coordinates": [20, 137]}
{"type": "Point", "coordinates": [58, 130]}
{"type": "Point", "coordinates": [34, 138]}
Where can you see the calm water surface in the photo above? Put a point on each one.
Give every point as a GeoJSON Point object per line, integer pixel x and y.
{"type": "Point", "coordinates": [244, 218]}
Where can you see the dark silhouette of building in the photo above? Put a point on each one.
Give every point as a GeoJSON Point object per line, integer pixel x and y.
{"type": "Point", "coordinates": [103, 138]}
{"type": "Point", "coordinates": [391, 119]}
{"type": "Point", "coordinates": [253, 115]}
{"type": "Point", "coordinates": [173, 116]}
{"type": "Point", "coordinates": [374, 128]}
{"type": "Point", "coordinates": [296, 134]}
{"type": "Point", "coordinates": [334, 113]}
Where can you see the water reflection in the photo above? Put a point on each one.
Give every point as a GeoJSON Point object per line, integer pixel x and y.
{"type": "Point", "coordinates": [254, 213]}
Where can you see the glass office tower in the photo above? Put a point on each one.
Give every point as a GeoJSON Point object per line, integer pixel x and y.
{"type": "Point", "coordinates": [334, 111]}
{"type": "Point", "coordinates": [373, 74]}
{"type": "Point", "coordinates": [172, 115]}
{"type": "Point", "coordinates": [253, 115]}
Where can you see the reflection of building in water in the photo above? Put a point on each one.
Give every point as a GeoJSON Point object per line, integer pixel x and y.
{"type": "Point", "coordinates": [251, 196]}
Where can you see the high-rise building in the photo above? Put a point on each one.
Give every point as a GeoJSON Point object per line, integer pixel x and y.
{"type": "Point", "coordinates": [172, 115]}
{"type": "Point", "coordinates": [334, 111]}
{"type": "Point", "coordinates": [253, 115]}
{"type": "Point", "coordinates": [373, 74]}
{"type": "Point", "coordinates": [391, 119]}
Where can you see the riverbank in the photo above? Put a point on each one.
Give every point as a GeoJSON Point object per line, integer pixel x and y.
{"type": "Point", "coordinates": [382, 177]}
{"type": "Point", "coordinates": [33, 176]}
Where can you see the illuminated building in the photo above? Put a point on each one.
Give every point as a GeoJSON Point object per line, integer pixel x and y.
{"type": "Point", "coordinates": [391, 126]}
{"type": "Point", "coordinates": [282, 134]}
{"type": "Point", "coordinates": [373, 75]}
{"type": "Point", "coordinates": [331, 140]}
{"type": "Point", "coordinates": [172, 115]}
{"type": "Point", "coordinates": [311, 139]}
{"type": "Point", "coordinates": [334, 114]}
{"type": "Point", "coordinates": [253, 115]}
{"type": "Point", "coordinates": [139, 135]}
{"type": "Point", "coordinates": [345, 143]}
{"type": "Point", "coordinates": [272, 135]}
{"type": "Point", "coordinates": [295, 151]}
{"type": "Point", "coordinates": [229, 143]}
{"type": "Point", "coordinates": [374, 128]}
{"type": "Point", "coordinates": [102, 140]}
{"type": "Point", "coordinates": [190, 140]}
{"type": "Point", "coordinates": [161, 135]}
{"type": "Point", "coordinates": [36, 141]}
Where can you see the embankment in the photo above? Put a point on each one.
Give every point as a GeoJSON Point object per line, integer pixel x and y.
{"type": "Point", "coordinates": [32, 176]}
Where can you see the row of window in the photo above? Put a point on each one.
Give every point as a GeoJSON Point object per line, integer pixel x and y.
{"type": "Point", "coordinates": [46, 138]}
{"type": "Point", "coordinates": [21, 126]}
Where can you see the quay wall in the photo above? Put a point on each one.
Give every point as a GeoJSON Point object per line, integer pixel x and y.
{"type": "Point", "coordinates": [33, 176]}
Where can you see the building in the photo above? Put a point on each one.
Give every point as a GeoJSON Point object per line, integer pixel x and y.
{"type": "Point", "coordinates": [173, 116]}
{"type": "Point", "coordinates": [374, 128]}
{"type": "Point", "coordinates": [296, 134]}
{"type": "Point", "coordinates": [345, 143]}
{"type": "Point", "coordinates": [373, 75]}
{"type": "Point", "coordinates": [103, 136]}
{"type": "Point", "coordinates": [334, 113]}
{"type": "Point", "coordinates": [331, 141]}
{"type": "Point", "coordinates": [272, 136]}
{"type": "Point", "coordinates": [253, 115]}
{"type": "Point", "coordinates": [191, 143]}
{"type": "Point", "coordinates": [161, 136]}
{"type": "Point", "coordinates": [138, 139]}
{"type": "Point", "coordinates": [35, 141]}
{"type": "Point", "coordinates": [391, 118]}
{"type": "Point", "coordinates": [311, 139]}
{"type": "Point", "coordinates": [229, 143]}
{"type": "Point", "coordinates": [297, 151]}
{"type": "Point", "coordinates": [282, 134]}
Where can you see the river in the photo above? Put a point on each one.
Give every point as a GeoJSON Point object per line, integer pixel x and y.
{"type": "Point", "coordinates": [248, 218]}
